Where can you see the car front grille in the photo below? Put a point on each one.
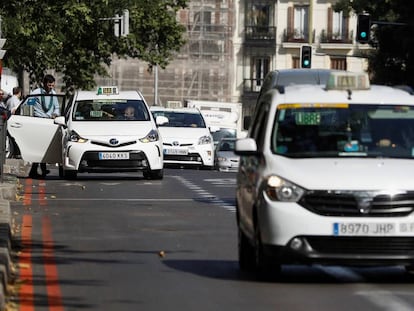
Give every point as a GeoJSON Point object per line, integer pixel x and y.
{"type": "Point", "coordinates": [362, 245]}
{"type": "Point", "coordinates": [192, 157]}
{"type": "Point", "coordinates": [114, 146]}
{"type": "Point", "coordinates": [358, 204]}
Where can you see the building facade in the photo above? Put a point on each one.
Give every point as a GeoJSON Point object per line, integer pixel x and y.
{"type": "Point", "coordinates": [232, 45]}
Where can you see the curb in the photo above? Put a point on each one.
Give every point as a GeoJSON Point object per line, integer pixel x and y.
{"type": "Point", "coordinates": [12, 169]}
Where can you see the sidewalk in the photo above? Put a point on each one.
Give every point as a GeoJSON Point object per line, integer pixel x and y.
{"type": "Point", "coordinates": [12, 169]}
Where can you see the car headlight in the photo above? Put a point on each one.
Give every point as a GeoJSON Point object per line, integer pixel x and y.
{"type": "Point", "coordinates": [74, 137]}
{"type": "Point", "coordinates": [151, 136]}
{"type": "Point", "coordinates": [282, 190]}
{"type": "Point", "coordinates": [204, 140]}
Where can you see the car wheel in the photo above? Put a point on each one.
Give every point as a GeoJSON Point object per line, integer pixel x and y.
{"type": "Point", "coordinates": [70, 174]}
{"type": "Point", "coordinates": [154, 174]}
{"type": "Point", "coordinates": [246, 252]}
{"type": "Point", "coordinates": [266, 268]}
{"type": "Point", "coordinates": [61, 175]}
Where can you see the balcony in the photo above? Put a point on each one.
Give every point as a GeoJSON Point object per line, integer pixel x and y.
{"type": "Point", "coordinates": [297, 36]}
{"type": "Point", "coordinates": [330, 40]}
{"type": "Point", "coordinates": [262, 36]}
{"type": "Point", "coordinates": [330, 37]}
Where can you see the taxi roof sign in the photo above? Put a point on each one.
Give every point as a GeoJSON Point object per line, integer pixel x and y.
{"type": "Point", "coordinates": [107, 90]}
{"type": "Point", "coordinates": [348, 81]}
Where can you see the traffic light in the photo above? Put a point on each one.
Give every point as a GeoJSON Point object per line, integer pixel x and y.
{"type": "Point", "coordinates": [363, 28]}
{"type": "Point", "coordinates": [306, 56]}
{"type": "Point", "coordinates": [121, 24]}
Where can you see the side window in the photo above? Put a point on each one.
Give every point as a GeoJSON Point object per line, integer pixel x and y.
{"type": "Point", "coordinates": [259, 125]}
{"type": "Point", "coordinates": [40, 105]}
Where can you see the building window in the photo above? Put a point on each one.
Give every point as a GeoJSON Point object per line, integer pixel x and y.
{"type": "Point", "coordinates": [260, 69]}
{"type": "Point", "coordinates": [338, 63]}
{"type": "Point", "coordinates": [295, 62]}
{"type": "Point", "coordinates": [337, 27]}
{"type": "Point", "coordinates": [301, 22]}
{"type": "Point", "coordinates": [258, 15]}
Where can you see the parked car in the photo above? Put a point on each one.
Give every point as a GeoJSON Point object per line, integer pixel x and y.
{"type": "Point", "coordinates": [225, 159]}
{"type": "Point", "coordinates": [94, 134]}
{"type": "Point", "coordinates": [187, 140]}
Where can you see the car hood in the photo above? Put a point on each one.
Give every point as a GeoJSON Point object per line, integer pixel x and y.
{"type": "Point", "coordinates": [168, 133]}
{"type": "Point", "coordinates": [114, 128]}
{"type": "Point", "coordinates": [345, 174]}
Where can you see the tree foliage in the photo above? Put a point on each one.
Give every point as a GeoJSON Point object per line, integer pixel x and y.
{"type": "Point", "coordinates": [392, 61]}
{"type": "Point", "coordinates": [76, 37]}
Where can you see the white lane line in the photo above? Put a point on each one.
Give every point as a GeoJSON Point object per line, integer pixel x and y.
{"type": "Point", "coordinates": [385, 300]}
{"type": "Point", "coordinates": [205, 195]}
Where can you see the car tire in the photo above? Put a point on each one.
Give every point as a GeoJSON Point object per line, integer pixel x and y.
{"type": "Point", "coordinates": [266, 268]}
{"type": "Point", "coordinates": [246, 253]}
{"type": "Point", "coordinates": [154, 174]}
{"type": "Point", "coordinates": [61, 174]}
{"type": "Point", "coordinates": [70, 174]}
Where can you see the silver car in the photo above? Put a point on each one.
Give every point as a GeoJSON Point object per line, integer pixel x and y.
{"type": "Point", "coordinates": [225, 159]}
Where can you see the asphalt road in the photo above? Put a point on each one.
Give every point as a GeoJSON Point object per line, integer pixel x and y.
{"type": "Point", "coordinates": [120, 242]}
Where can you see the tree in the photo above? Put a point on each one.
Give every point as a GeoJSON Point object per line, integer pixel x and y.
{"type": "Point", "coordinates": [392, 62]}
{"type": "Point", "coordinates": [76, 37]}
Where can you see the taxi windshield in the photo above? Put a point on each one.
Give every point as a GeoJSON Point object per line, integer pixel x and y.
{"type": "Point", "coordinates": [110, 110]}
{"type": "Point", "coordinates": [181, 119]}
{"type": "Point", "coordinates": [344, 130]}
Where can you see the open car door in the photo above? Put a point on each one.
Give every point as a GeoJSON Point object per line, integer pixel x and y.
{"type": "Point", "coordinates": [39, 139]}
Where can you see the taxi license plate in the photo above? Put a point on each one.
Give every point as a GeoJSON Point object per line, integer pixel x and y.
{"type": "Point", "coordinates": [176, 151]}
{"type": "Point", "coordinates": [372, 229]}
{"type": "Point", "coordinates": [113, 155]}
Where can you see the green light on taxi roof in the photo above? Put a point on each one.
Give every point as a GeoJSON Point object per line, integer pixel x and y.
{"type": "Point", "coordinates": [107, 90]}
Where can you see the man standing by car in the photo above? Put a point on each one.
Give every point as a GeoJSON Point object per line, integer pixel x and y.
{"type": "Point", "coordinates": [14, 101]}
{"type": "Point", "coordinates": [45, 107]}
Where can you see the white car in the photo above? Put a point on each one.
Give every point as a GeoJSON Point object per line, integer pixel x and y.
{"type": "Point", "coordinates": [326, 177]}
{"type": "Point", "coordinates": [103, 131]}
{"type": "Point", "coordinates": [186, 138]}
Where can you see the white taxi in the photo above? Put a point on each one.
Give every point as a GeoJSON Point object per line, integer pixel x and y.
{"type": "Point", "coordinates": [187, 140]}
{"type": "Point", "coordinates": [326, 176]}
{"type": "Point", "coordinates": [99, 131]}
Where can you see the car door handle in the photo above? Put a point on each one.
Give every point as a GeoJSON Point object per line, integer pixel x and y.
{"type": "Point", "coordinates": [16, 125]}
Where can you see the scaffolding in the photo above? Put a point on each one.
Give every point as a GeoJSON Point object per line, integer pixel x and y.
{"type": "Point", "coordinates": [202, 69]}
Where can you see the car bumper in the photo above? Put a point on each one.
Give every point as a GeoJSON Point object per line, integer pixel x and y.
{"type": "Point", "coordinates": [200, 155]}
{"type": "Point", "coordinates": [85, 158]}
{"type": "Point", "coordinates": [291, 233]}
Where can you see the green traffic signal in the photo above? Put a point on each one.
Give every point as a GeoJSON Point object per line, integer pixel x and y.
{"type": "Point", "coordinates": [363, 28]}
{"type": "Point", "coordinates": [306, 56]}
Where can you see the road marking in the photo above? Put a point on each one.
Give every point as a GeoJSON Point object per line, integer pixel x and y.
{"type": "Point", "coordinates": [205, 195]}
{"type": "Point", "coordinates": [54, 295]}
{"type": "Point", "coordinates": [27, 301]}
{"type": "Point", "coordinates": [26, 291]}
{"type": "Point", "coordinates": [385, 300]}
